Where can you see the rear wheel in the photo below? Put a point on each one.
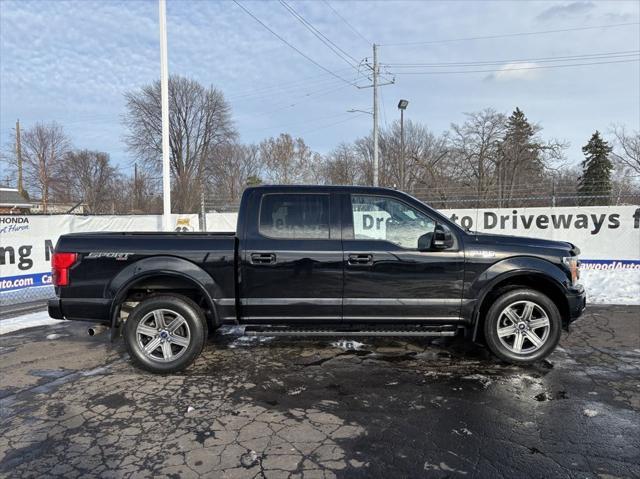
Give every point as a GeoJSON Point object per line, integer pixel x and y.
{"type": "Point", "coordinates": [164, 334]}
{"type": "Point", "coordinates": [522, 326]}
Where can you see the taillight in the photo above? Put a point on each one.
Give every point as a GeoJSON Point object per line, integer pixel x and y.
{"type": "Point", "coordinates": [60, 264]}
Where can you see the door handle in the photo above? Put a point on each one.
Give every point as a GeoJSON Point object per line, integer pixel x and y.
{"type": "Point", "coordinates": [263, 258]}
{"type": "Point", "coordinates": [360, 259]}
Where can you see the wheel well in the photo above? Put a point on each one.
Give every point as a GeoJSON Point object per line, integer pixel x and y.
{"type": "Point", "coordinates": [164, 284]}
{"type": "Point", "coordinates": [537, 282]}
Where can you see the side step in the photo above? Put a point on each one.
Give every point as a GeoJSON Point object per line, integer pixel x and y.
{"type": "Point", "coordinates": [437, 331]}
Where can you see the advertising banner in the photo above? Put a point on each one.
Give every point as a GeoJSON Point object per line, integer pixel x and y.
{"type": "Point", "coordinates": [608, 236]}
{"type": "Point", "coordinates": [27, 242]}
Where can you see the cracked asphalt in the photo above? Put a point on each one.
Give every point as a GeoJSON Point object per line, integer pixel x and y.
{"type": "Point", "coordinates": [74, 406]}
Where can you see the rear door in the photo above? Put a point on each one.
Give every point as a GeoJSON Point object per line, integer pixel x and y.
{"type": "Point", "coordinates": [387, 279]}
{"type": "Point", "coordinates": [291, 267]}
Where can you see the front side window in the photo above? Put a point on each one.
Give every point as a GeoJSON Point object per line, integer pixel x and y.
{"type": "Point", "coordinates": [387, 219]}
{"type": "Point", "coordinates": [295, 216]}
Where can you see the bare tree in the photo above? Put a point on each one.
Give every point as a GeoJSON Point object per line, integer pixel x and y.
{"type": "Point", "coordinates": [199, 123]}
{"type": "Point", "coordinates": [475, 146]}
{"type": "Point", "coordinates": [342, 166]}
{"type": "Point", "coordinates": [626, 152]}
{"type": "Point", "coordinates": [235, 167]}
{"type": "Point", "coordinates": [287, 160]}
{"type": "Point", "coordinates": [424, 151]}
{"type": "Point", "coordinates": [43, 149]}
{"type": "Point", "coordinates": [89, 177]}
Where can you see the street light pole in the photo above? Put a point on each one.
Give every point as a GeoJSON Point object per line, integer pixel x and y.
{"type": "Point", "coordinates": [402, 150]}
{"type": "Point", "coordinates": [375, 115]}
{"type": "Point", "coordinates": [402, 106]}
{"type": "Point", "coordinates": [164, 97]}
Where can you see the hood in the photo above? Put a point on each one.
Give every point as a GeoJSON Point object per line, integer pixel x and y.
{"type": "Point", "coordinates": [523, 241]}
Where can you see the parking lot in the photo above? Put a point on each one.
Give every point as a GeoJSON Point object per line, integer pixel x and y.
{"type": "Point", "coordinates": [73, 406]}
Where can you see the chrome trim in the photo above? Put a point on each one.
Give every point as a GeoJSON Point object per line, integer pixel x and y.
{"type": "Point", "coordinates": [401, 318]}
{"type": "Point", "coordinates": [280, 318]}
{"type": "Point", "coordinates": [355, 318]}
{"type": "Point", "coordinates": [289, 301]}
{"type": "Point", "coordinates": [402, 301]}
{"type": "Point", "coordinates": [225, 301]}
{"type": "Point", "coordinates": [349, 301]}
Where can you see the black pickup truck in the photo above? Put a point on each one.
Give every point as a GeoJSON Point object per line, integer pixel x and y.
{"type": "Point", "coordinates": [320, 261]}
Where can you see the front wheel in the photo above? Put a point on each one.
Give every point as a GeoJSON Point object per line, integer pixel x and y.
{"type": "Point", "coordinates": [165, 334]}
{"type": "Point", "coordinates": [522, 326]}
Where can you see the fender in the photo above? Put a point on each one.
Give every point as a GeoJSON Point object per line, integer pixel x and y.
{"type": "Point", "coordinates": [166, 266]}
{"type": "Point", "coordinates": [511, 268]}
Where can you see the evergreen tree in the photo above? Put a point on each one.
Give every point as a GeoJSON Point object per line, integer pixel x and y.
{"type": "Point", "coordinates": [520, 161]}
{"type": "Point", "coordinates": [596, 171]}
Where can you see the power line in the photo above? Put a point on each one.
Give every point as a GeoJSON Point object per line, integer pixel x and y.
{"type": "Point", "coordinates": [323, 38]}
{"type": "Point", "coordinates": [298, 100]}
{"type": "Point", "coordinates": [515, 69]}
{"type": "Point", "coordinates": [351, 118]}
{"type": "Point", "coordinates": [507, 35]}
{"type": "Point", "coordinates": [351, 27]}
{"type": "Point", "coordinates": [290, 45]}
{"type": "Point", "coordinates": [289, 125]}
{"type": "Point", "coordinates": [305, 81]}
{"type": "Point", "coordinates": [288, 91]}
{"type": "Point", "coordinates": [593, 56]}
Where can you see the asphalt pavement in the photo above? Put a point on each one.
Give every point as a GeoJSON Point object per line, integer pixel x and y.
{"type": "Point", "coordinates": [73, 406]}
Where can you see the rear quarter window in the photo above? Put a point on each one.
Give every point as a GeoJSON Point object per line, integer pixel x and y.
{"type": "Point", "coordinates": [294, 216]}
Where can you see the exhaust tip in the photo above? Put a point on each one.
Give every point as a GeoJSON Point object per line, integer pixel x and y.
{"type": "Point", "coordinates": [95, 330]}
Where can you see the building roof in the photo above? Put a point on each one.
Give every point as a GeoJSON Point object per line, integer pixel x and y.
{"type": "Point", "coordinates": [11, 197]}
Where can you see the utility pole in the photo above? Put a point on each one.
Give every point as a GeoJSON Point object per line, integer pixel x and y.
{"type": "Point", "coordinates": [19, 156]}
{"type": "Point", "coordinates": [375, 115]}
{"type": "Point", "coordinates": [164, 87]}
{"type": "Point", "coordinates": [375, 68]}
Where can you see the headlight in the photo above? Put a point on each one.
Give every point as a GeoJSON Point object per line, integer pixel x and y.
{"type": "Point", "coordinates": [573, 264]}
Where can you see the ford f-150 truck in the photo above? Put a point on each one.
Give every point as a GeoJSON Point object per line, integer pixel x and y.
{"type": "Point", "coordinates": [320, 261]}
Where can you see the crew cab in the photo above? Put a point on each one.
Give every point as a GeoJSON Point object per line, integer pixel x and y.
{"type": "Point", "coordinates": [320, 261]}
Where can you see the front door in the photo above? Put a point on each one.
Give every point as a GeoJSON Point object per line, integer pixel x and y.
{"type": "Point", "coordinates": [292, 259]}
{"type": "Point", "coordinates": [387, 278]}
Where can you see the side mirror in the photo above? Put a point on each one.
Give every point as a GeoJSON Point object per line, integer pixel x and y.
{"type": "Point", "coordinates": [442, 238]}
{"type": "Point", "coordinates": [424, 242]}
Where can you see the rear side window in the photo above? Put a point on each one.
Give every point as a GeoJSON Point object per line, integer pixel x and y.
{"type": "Point", "coordinates": [294, 216]}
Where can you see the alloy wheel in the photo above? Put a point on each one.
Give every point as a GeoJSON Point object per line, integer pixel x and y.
{"type": "Point", "coordinates": [163, 335]}
{"type": "Point", "coordinates": [523, 327]}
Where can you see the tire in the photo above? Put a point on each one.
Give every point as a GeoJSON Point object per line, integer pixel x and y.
{"type": "Point", "coordinates": [518, 340]}
{"type": "Point", "coordinates": [165, 333]}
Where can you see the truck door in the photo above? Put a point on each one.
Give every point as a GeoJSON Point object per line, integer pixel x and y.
{"type": "Point", "coordinates": [387, 276]}
{"type": "Point", "coordinates": [292, 258]}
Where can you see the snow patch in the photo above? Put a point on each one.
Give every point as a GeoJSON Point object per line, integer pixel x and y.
{"type": "Point", "coordinates": [247, 341]}
{"type": "Point", "coordinates": [590, 412]}
{"type": "Point", "coordinates": [348, 345]}
{"type": "Point", "coordinates": [442, 467]}
{"type": "Point", "coordinates": [482, 379]}
{"type": "Point", "coordinates": [41, 318]}
{"type": "Point", "coordinates": [614, 286]}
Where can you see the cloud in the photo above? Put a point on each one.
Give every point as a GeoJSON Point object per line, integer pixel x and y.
{"type": "Point", "coordinates": [564, 11]}
{"type": "Point", "coordinates": [515, 71]}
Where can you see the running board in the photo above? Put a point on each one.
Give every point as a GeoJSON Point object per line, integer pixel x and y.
{"type": "Point", "coordinates": [422, 332]}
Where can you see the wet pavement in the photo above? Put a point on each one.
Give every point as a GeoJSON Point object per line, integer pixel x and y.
{"type": "Point", "coordinates": [73, 406]}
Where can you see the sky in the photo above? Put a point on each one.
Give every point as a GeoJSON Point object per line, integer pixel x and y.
{"type": "Point", "coordinates": [72, 62]}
